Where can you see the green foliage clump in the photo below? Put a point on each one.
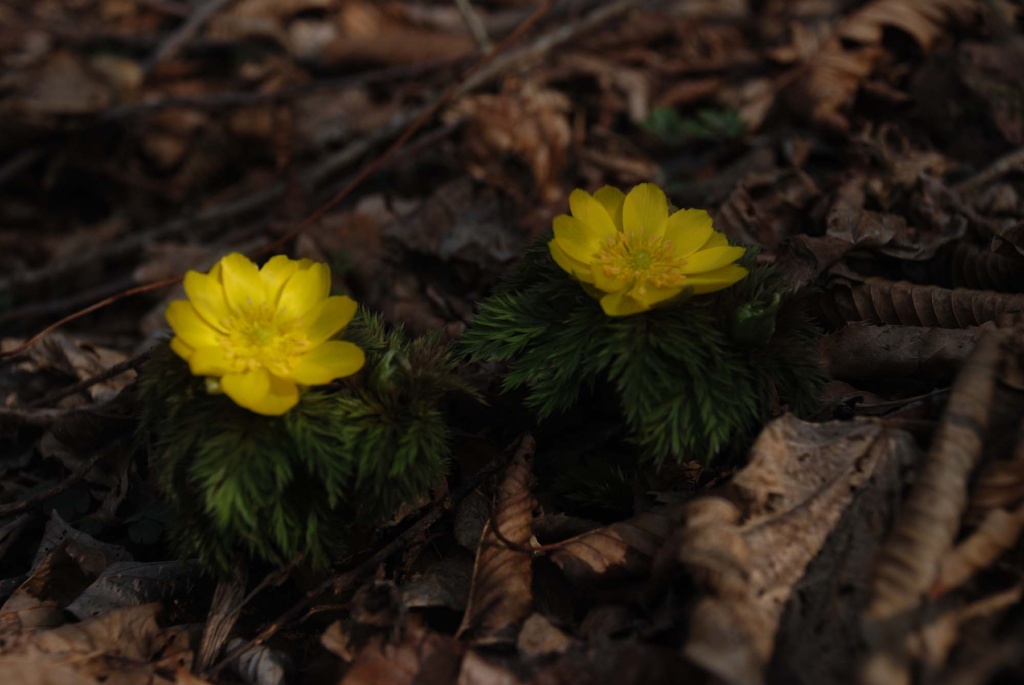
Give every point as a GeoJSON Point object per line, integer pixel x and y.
{"type": "Point", "coordinates": [691, 379]}
{"type": "Point", "coordinates": [671, 128]}
{"type": "Point", "coordinates": [244, 485]}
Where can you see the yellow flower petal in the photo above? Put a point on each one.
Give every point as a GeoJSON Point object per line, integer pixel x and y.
{"type": "Point", "coordinates": [207, 296]}
{"type": "Point", "coordinates": [650, 295]}
{"type": "Point", "coordinates": [576, 238]}
{"type": "Point", "coordinates": [333, 359]}
{"type": "Point", "coordinates": [329, 317]}
{"type": "Point", "coordinates": [303, 291]}
{"type": "Point", "coordinates": [573, 267]}
{"type": "Point", "coordinates": [717, 239]}
{"type": "Point", "coordinates": [261, 392]}
{"type": "Point", "coordinates": [275, 272]}
{"type": "Point", "coordinates": [712, 281]}
{"type": "Point", "coordinates": [243, 287]}
{"type": "Point", "coordinates": [180, 348]}
{"type": "Point", "coordinates": [607, 283]}
{"type": "Point", "coordinates": [592, 213]}
{"type": "Point", "coordinates": [712, 258]}
{"type": "Point", "coordinates": [211, 361]}
{"type": "Point", "coordinates": [620, 304]}
{"type": "Point", "coordinates": [645, 211]}
{"type": "Point", "coordinates": [688, 230]}
{"type": "Point", "coordinates": [612, 199]}
{"type": "Point", "coordinates": [188, 326]}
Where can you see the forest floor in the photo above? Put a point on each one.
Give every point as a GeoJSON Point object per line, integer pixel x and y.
{"type": "Point", "coordinates": [871, 150]}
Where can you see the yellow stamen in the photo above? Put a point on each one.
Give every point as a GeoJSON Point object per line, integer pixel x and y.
{"type": "Point", "coordinates": [641, 259]}
{"type": "Point", "coordinates": [256, 339]}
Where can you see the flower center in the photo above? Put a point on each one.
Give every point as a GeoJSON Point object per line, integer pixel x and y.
{"type": "Point", "coordinates": [642, 259]}
{"type": "Point", "coordinates": [256, 339]}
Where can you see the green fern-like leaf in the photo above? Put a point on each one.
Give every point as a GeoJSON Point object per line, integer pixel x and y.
{"type": "Point", "coordinates": [687, 386]}
{"type": "Point", "coordinates": [346, 457]}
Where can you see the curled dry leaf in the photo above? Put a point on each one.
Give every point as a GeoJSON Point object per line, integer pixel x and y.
{"type": "Point", "coordinates": [888, 302]}
{"type": "Point", "coordinates": [866, 351]}
{"type": "Point", "coordinates": [814, 496]}
{"type": "Point", "coordinates": [92, 556]}
{"type": "Point", "coordinates": [123, 634]}
{"type": "Point", "coordinates": [846, 60]}
{"type": "Point", "coordinates": [38, 602]}
{"type": "Point", "coordinates": [766, 208]}
{"type": "Point", "coordinates": [524, 121]}
{"type": "Point", "coordinates": [76, 359]}
{"type": "Point", "coordinates": [128, 584]}
{"type": "Point", "coordinates": [997, 533]}
{"type": "Point", "coordinates": [1000, 485]}
{"type": "Point", "coordinates": [909, 563]}
{"type": "Point", "coordinates": [421, 657]}
{"type": "Point", "coordinates": [984, 269]}
{"type": "Point", "coordinates": [998, 498]}
{"type": "Point", "coordinates": [882, 232]}
{"type": "Point", "coordinates": [620, 550]}
{"type": "Point", "coordinates": [500, 596]}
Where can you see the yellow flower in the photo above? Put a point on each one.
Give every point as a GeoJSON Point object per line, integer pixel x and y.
{"type": "Point", "coordinates": [264, 332]}
{"type": "Point", "coordinates": [631, 253]}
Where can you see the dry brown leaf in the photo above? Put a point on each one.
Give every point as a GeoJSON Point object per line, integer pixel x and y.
{"type": "Point", "coordinates": [620, 550]}
{"type": "Point", "coordinates": [34, 668]}
{"type": "Point", "coordinates": [500, 596]}
{"type": "Point", "coordinates": [927, 526]}
{"type": "Point", "coordinates": [887, 302]}
{"type": "Point", "coordinates": [813, 502]}
{"type": "Point", "coordinates": [39, 600]}
{"type": "Point", "coordinates": [128, 584]}
{"type": "Point", "coordinates": [997, 533]}
{"type": "Point", "coordinates": [845, 61]}
{"type": "Point", "coordinates": [1000, 485]}
{"type": "Point", "coordinates": [420, 657]}
{"type": "Point", "coordinates": [885, 233]}
{"type": "Point", "coordinates": [80, 360]}
{"type": "Point", "coordinates": [524, 121]}
{"type": "Point", "coordinates": [987, 270]}
{"type": "Point", "coordinates": [767, 208]}
{"type": "Point", "coordinates": [368, 35]}
{"type": "Point", "coordinates": [476, 670]}
{"type": "Point", "coordinates": [539, 637]}
{"type": "Point", "coordinates": [866, 351]}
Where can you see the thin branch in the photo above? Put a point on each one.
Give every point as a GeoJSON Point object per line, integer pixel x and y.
{"type": "Point", "coordinates": [1013, 161]}
{"type": "Point", "coordinates": [474, 25]}
{"type": "Point", "coordinates": [184, 34]}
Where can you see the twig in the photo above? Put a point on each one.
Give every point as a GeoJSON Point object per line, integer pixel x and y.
{"type": "Point", "coordinates": [340, 582]}
{"type": "Point", "coordinates": [44, 418]}
{"type": "Point", "coordinates": [1012, 161]}
{"type": "Point", "coordinates": [77, 475]}
{"type": "Point", "coordinates": [88, 310]}
{"type": "Point", "coordinates": [225, 99]}
{"type": "Point", "coordinates": [13, 166]}
{"type": "Point", "coordinates": [475, 26]}
{"type": "Point", "coordinates": [543, 44]}
{"type": "Point", "coordinates": [185, 32]}
{"type": "Point", "coordinates": [52, 307]}
{"type": "Point", "coordinates": [115, 370]}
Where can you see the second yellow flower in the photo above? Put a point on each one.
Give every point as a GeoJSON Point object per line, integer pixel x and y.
{"type": "Point", "coordinates": [633, 255]}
